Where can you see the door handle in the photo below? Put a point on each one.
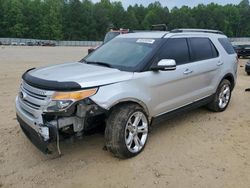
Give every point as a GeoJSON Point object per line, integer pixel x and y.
{"type": "Point", "coordinates": [187, 71]}
{"type": "Point", "coordinates": [219, 63]}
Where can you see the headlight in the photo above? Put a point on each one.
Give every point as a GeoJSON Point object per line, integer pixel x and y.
{"type": "Point", "coordinates": [62, 100]}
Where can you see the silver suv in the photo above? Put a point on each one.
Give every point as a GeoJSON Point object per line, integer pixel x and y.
{"type": "Point", "coordinates": [127, 84]}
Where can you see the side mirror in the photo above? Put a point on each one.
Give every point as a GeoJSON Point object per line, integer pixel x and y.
{"type": "Point", "coordinates": [165, 65]}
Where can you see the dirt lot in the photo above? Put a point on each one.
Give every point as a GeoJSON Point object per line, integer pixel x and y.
{"type": "Point", "coordinates": [198, 149]}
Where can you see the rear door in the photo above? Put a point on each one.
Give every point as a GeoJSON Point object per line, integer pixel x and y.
{"type": "Point", "coordinates": [193, 79]}
{"type": "Point", "coordinates": [204, 66]}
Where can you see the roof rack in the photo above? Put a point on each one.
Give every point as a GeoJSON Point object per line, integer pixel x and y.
{"type": "Point", "coordinates": [197, 30]}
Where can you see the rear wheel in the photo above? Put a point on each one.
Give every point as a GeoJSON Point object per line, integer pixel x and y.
{"type": "Point", "coordinates": [222, 97]}
{"type": "Point", "coordinates": [248, 73]}
{"type": "Point", "coordinates": [126, 131]}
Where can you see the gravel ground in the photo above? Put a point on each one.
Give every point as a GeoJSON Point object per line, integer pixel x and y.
{"type": "Point", "coordinates": [197, 149]}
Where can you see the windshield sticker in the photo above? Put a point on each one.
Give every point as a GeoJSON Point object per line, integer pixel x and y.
{"type": "Point", "coordinates": [147, 41]}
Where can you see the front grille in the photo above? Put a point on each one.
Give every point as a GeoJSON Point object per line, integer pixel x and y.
{"type": "Point", "coordinates": [37, 96]}
{"type": "Point", "coordinates": [32, 105]}
{"type": "Point", "coordinates": [33, 98]}
{"type": "Point", "coordinates": [38, 93]}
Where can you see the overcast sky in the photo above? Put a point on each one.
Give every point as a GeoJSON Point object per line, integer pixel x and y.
{"type": "Point", "coordinates": [172, 3]}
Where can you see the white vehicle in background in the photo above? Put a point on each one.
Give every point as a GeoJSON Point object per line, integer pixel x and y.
{"type": "Point", "coordinates": [14, 43]}
{"type": "Point", "coordinates": [22, 44]}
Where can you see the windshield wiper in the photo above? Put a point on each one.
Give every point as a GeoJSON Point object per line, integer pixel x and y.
{"type": "Point", "coordinates": [99, 63]}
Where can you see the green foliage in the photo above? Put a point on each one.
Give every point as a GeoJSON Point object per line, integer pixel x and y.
{"type": "Point", "coordinates": [85, 20]}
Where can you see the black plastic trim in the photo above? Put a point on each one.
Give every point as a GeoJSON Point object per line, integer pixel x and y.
{"type": "Point", "coordinates": [50, 84]}
{"type": "Point", "coordinates": [230, 78]}
{"type": "Point", "coordinates": [174, 113]}
{"type": "Point", "coordinates": [34, 137]}
{"type": "Point", "coordinates": [247, 67]}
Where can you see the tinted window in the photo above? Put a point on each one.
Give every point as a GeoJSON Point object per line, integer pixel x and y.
{"type": "Point", "coordinates": [176, 49]}
{"type": "Point", "coordinates": [227, 45]}
{"type": "Point", "coordinates": [214, 50]}
{"type": "Point", "coordinates": [201, 49]}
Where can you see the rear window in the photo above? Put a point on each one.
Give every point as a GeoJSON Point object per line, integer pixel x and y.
{"type": "Point", "coordinates": [227, 45]}
{"type": "Point", "coordinates": [202, 48]}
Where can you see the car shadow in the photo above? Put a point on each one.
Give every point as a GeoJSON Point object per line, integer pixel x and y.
{"type": "Point", "coordinates": [94, 139]}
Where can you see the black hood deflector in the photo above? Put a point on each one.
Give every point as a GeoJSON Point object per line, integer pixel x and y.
{"type": "Point", "coordinates": [50, 84]}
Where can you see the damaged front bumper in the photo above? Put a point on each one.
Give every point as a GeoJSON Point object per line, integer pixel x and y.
{"type": "Point", "coordinates": [40, 135]}
{"type": "Point", "coordinates": [43, 129]}
{"type": "Point", "coordinates": [37, 137]}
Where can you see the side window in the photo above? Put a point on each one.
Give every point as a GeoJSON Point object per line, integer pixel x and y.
{"type": "Point", "coordinates": [214, 50]}
{"type": "Point", "coordinates": [176, 49]}
{"type": "Point", "coordinates": [202, 48]}
{"type": "Point", "coordinates": [227, 45]}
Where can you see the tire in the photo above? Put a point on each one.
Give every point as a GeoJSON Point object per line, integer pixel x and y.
{"type": "Point", "coordinates": [221, 100]}
{"type": "Point", "coordinates": [248, 73]}
{"type": "Point", "coordinates": [124, 136]}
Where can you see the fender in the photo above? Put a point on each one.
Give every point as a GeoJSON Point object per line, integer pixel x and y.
{"type": "Point", "coordinates": [110, 95]}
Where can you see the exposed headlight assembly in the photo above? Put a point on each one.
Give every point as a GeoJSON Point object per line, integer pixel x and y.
{"type": "Point", "coordinates": [62, 100]}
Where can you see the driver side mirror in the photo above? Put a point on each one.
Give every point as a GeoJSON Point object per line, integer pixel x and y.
{"type": "Point", "coordinates": [165, 65]}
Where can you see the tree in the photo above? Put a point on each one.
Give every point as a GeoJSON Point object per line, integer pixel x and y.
{"type": "Point", "coordinates": [117, 14]}
{"type": "Point", "coordinates": [52, 19]}
{"type": "Point", "coordinates": [156, 15]}
{"type": "Point", "coordinates": [140, 13]}
{"type": "Point", "coordinates": [131, 20]}
{"type": "Point", "coordinates": [182, 18]}
{"type": "Point", "coordinates": [13, 19]}
{"type": "Point", "coordinates": [102, 17]}
{"type": "Point", "coordinates": [85, 20]}
{"type": "Point", "coordinates": [2, 13]}
{"type": "Point", "coordinates": [33, 18]}
{"type": "Point", "coordinates": [243, 24]}
{"type": "Point", "coordinates": [73, 18]}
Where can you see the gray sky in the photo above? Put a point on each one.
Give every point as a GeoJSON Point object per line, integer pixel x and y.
{"type": "Point", "coordinates": [172, 3]}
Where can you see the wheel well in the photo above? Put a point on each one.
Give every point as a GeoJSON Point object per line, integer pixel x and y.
{"type": "Point", "coordinates": [131, 102]}
{"type": "Point", "coordinates": [230, 78]}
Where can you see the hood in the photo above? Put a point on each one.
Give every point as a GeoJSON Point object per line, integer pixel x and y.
{"type": "Point", "coordinates": [78, 74]}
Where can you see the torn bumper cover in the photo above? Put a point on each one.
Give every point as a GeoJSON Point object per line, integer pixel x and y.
{"type": "Point", "coordinates": [45, 131]}
{"type": "Point", "coordinates": [36, 137]}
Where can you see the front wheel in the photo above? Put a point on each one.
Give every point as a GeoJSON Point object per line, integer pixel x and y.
{"type": "Point", "coordinates": [126, 131]}
{"type": "Point", "coordinates": [222, 97]}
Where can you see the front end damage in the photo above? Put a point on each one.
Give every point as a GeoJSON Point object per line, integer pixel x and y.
{"type": "Point", "coordinates": [45, 125]}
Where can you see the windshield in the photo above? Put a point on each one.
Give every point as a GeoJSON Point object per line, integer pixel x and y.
{"type": "Point", "coordinates": [123, 53]}
{"type": "Point", "coordinates": [110, 35]}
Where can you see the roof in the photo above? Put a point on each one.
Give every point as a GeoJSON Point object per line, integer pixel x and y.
{"type": "Point", "coordinates": [144, 34]}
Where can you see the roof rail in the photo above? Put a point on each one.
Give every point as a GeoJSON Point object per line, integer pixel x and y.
{"type": "Point", "coordinates": [197, 30]}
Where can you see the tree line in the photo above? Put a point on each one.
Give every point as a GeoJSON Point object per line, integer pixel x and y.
{"type": "Point", "coordinates": [85, 20]}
